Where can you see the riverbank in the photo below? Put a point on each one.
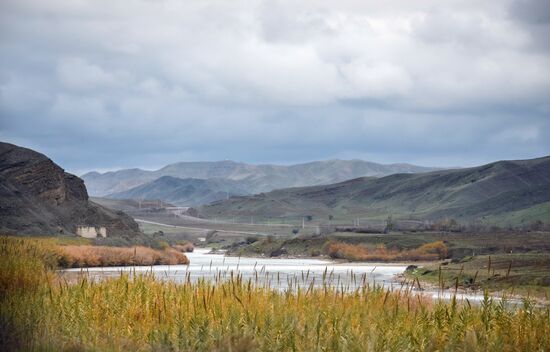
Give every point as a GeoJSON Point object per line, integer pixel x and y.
{"type": "Point", "coordinates": [334, 248]}
{"type": "Point", "coordinates": [72, 252]}
{"type": "Point", "coordinates": [40, 311]}
{"type": "Point", "coordinates": [526, 254]}
{"type": "Point", "coordinates": [276, 273]}
{"type": "Point", "coordinates": [515, 275]}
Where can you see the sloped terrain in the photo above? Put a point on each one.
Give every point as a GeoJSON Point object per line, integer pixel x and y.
{"type": "Point", "coordinates": [38, 197]}
{"type": "Point", "coordinates": [484, 191]}
{"type": "Point", "coordinates": [254, 178]}
{"type": "Point", "coordinates": [184, 192]}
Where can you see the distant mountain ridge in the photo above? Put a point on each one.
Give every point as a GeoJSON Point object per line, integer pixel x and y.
{"type": "Point", "coordinates": [514, 190]}
{"type": "Point", "coordinates": [255, 178]}
{"type": "Point", "coordinates": [184, 192]}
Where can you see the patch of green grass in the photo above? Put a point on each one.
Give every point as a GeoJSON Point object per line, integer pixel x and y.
{"type": "Point", "coordinates": [275, 246]}
{"type": "Point", "coordinates": [150, 229]}
{"type": "Point", "coordinates": [525, 274]}
{"type": "Point", "coordinates": [460, 244]}
{"type": "Point", "coordinates": [539, 212]}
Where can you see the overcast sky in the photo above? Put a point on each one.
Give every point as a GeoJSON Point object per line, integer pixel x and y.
{"type": "Point", "coordinates": [114, 84]}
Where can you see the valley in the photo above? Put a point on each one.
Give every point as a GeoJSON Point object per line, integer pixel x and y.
{"type": "Point", "coordinates": [475, 238]}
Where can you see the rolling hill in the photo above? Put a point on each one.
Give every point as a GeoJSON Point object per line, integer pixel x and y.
{"type": "Point", "coordinates": [130, 205]}
{"type": "Point", "coordinates": [184, 192]}
{"type": "Point", "coordinates": [253, 178]}
{"type": "Point", "coordinates": [512, 190]}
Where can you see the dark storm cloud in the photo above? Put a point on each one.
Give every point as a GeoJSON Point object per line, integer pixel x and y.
{"type": "Point", "coordinates": [534, 17]}
{"type": "Point", "coordinates": [531, 11]}
{"type": "Point", "coordinates": [97, 84]}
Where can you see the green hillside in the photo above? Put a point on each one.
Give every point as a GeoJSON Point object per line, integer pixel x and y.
{"type": "Point", "coordinates": [510, 192]}
{"type": "Point", "coordinates": [184, 192]}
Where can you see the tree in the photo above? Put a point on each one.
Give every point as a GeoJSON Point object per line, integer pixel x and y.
{"type": "Point", "coordinates": [389, 223]}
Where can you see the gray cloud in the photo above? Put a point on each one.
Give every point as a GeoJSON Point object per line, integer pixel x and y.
{"type": "Point", "coordinates": [531, 11]}
{"type": "Point", "coordinates": [97, 84]}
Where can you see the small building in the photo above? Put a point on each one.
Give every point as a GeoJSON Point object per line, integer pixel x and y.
{"type": "Point", "coordinates": [178, 211]}
{"type": "Point", "coordinates": [91, 231]}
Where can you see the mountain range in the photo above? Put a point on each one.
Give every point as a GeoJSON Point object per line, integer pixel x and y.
{"type": "Point", "coordinates": [513, 191]}
{"type": "Point", "coordinates": [185, 192]}
{"type": "Point", "coordinates": [38, 197]}
{"type": "Point", "coordinates": [249, 179]}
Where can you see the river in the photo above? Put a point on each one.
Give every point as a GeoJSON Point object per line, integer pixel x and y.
{"type": "Point", "coordinates": [276, 273]}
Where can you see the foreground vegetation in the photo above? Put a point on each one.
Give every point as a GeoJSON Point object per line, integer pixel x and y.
{"type": "Point", "coordinates": [41, 312]}
{"type": "Point", "coordinates": [77, 252]}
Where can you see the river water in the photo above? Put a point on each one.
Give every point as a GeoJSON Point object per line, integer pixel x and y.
{"type": "Point", "coordinates": [276, 273]}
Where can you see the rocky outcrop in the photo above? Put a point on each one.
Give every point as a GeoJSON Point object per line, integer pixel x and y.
{"type": "Point", "coordinates": [37, 197]}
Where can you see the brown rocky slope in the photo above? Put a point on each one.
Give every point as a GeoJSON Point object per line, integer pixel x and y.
{"type": "Point", "coordinates": [37, 197]}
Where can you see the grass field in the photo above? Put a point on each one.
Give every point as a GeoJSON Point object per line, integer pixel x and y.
{"type": "Point", "coordinates": [522, 216]}
{"type": "Point", "coordinates": [460, 245]}
{"type": "Point", "coordinates": [526, 274]}
{"type": "Point", "coordinates": [71, 252]}
{"type": "Point", "coordinates": [152, 228]}
{"type": "Point", "coordinates": [41, 312]}
{"type": "Point", "coordinates": [254, 225]}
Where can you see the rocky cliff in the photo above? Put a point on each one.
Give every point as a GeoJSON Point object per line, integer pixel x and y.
{"type": "Point", "coordinates": [37, 197]}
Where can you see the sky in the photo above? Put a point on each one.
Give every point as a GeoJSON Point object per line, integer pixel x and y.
{"type": "Point", "coordinates": [104, 85]}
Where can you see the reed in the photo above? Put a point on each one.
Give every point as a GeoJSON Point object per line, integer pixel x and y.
{"type": "Point", "coordinates": [89, 256]}
{"type": "Point", "coordinates": [429, 251]}
{"type": "Point", "coordinates": [143, 313]}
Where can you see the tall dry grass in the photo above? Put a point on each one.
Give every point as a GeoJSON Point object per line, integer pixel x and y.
{"type": "Point", "coordinates": [145, 314]}
{"type": "Point", "coordinates": [430, 251]}
{"type": "Point", "coordinates": [88, 256]}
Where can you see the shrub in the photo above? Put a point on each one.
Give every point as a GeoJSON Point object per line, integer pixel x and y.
{"type": "Point", "coordinates": [186, 247]}
{"type": "Point", "coordinates": [251, 239]}
{"type": "Point", "coordinates": [430, 251]}
{"type": "Point", "coordinates": [89, 256]}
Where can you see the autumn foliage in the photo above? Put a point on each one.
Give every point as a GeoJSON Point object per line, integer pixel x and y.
{"type": "Point", "coordinates": [430, 251]}
{"type": "Point", "coordinates": [88, 256]}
